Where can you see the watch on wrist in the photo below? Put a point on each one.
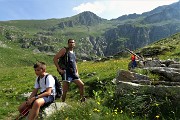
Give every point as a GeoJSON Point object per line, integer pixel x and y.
{"type": "Point", "coordinates": [36, 96]}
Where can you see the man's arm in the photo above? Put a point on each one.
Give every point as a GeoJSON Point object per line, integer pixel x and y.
{"type": "Point", "coordinates": [77, 70]}
{"type": "Point", "coordinates": [33, 95]}
{"type": "Point", "coordinates": [34, 92]}
{"type": "Point", "coordinates": [47, 93]}
{"type": "Point", "coordinates": [56, 58]}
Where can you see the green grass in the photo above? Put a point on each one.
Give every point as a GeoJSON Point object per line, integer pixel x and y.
{"type": "Point", "coordinates": [11, 57]}
{"type": "Point", "coordinates": [17, 77]}
{"type": "Point", "coordinates": [90, 110]}
{"type": "Point", "coordinates": [101, 103]}
{"type": "Point", "coordinates": [17, 80]}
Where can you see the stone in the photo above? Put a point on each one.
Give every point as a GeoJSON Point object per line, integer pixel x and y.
{"type": "Point", "coordinates": [152, 63]}
{"type": "Point", "coordinates": [123, 75]}
{"type": "Point", "coordinates": [174, 65]}
{"type": "Point", "coordinates": [171, 74]}
{"type": "Point", "coordinates": [52, 108]}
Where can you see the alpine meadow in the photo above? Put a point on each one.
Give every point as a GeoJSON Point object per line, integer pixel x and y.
{"type": "Point", "coordinates": [113, 90]}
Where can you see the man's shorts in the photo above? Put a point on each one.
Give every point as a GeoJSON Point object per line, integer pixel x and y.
{"type": "Point", "coordinates": [48, 99]}
{"type": "Point", "coordinates": [69, 78]}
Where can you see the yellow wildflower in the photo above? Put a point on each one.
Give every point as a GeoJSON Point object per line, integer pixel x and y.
{"type": "Point", "coordinates": [157, 116]}
{"type": "Point", "coordinates": [115, 110]}
{"type": "Point", "coordinates": [96, 110]}
{"type": "Point", "coordinates": [121, 111]}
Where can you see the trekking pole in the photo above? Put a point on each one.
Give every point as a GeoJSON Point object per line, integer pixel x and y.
{"type": "Point", "coordinates": [134, 54]}
{"type": "Point", "coordinates": [23, 113]}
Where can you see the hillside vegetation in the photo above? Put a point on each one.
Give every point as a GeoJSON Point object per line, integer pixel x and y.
{"type": "Point", "coordinates": [14, 57]}
{"type": "Point", "coordinates": [18, 80]}
{"type": "Point", "coordinates": [17, 77]}
{"type": "Point", "coordinates": [24, 42]}
{"type": "Point", "coordinates": [167, 48]}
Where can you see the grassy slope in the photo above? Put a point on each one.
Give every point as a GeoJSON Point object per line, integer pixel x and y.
{"type": "Point", "coordinates": [170, 47]}
{"type": "Point", "coordinates": [17, 75]}
{"type": "Point", "coordinates": [173, 41]}
{"type": "Point", "coordinates": [16, 58]}
{"type": "Point", "coordinates": [13, 56]}
{"type": "Point", "coordinates": [17, 80]}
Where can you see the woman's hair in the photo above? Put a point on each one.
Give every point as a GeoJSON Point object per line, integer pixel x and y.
{"type": "Point", "coordinates": [42, 65]}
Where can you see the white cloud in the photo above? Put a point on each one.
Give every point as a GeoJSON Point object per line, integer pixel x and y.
{"type": "Point", "coordinates": [95, 7]}
{"type": "Point", "coordinates": [114, 8]}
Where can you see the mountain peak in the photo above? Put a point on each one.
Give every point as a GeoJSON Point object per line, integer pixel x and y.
{"type": "Point", "coordinates": [88, 18]}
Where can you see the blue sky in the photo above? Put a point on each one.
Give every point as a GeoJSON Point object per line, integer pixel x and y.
{"type": "Point", "coordinates": [46, 9]}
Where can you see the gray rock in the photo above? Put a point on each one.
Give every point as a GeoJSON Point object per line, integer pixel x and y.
{"type": "Point", "coordinates": [174, 65]}
{"type": "Point", "coordinates": [52, 108]}
{"type": "Point", "coordinates": [128, 76]}
{"type": "Point", "coordinates": [171, 74]}
{"type": "Point", "coordinates": [152, 63]}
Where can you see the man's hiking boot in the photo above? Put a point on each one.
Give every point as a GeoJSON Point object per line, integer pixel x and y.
{"type": "Point", "coordinates": [83, 99]}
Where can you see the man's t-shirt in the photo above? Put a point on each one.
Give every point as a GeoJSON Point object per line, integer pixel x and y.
{"type": "Point", "coordinates": [50, 82]}
{"type": "Point", "coordinates": [133, 57]}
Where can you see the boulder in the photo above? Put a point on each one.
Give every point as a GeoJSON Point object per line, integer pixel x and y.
{"type": "Point", "coordinates": [128, 76]}
{"type": "Point", "coordinates": [52, 108]}
{"type": "Point", "coordinates": [176, 65]}
{"type": "Point", "coordinates": [152, 63]}
{"type": "Point", "coordinates": [48, 110]}
{"type": "Point", "coordinates": [171, 74]}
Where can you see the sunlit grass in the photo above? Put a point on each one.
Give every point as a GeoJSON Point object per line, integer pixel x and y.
{"type": "Point", "coordinates": [17, 80]}
{"type": "Point", "coordinates": [90, 110]}
{"type": "Point", "coordinates": [101, 103]}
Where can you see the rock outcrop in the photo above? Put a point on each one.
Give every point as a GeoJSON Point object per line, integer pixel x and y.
{"type": "Point", "coordinates": [52, 108]}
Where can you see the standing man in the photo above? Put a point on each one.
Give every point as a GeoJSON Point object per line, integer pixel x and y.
{"type": "Point", "coordinates": [70, 72]}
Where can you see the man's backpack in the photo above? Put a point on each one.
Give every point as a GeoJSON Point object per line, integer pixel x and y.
{"type": "Point", "coordinates": [63, 61]}
{"type": "Point", "coordinates": [57, 86]}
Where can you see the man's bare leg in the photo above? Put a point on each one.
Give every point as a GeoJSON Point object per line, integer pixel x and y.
{"type": "Point", "coordinates": [65, 89]}
{"type": "Point", "coordinates": [35, 108]}
{"type": "Point", "coordinates": [80, 85]}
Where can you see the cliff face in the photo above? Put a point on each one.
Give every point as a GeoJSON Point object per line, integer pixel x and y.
{"type": "Point", "coordinates": [134, 37]}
